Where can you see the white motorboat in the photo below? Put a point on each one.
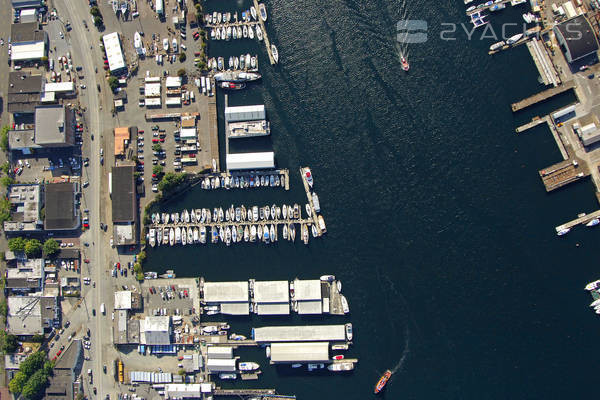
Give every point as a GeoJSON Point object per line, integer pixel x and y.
{"type": "Point", "coordinates": [255, 213]}
{"type": "Point", "coordinates": [251, 32]}
{"type": "Point", "coordinates": [316, 204]}
{"type": "Point", "coordinates": [322, 223]}
{"type": "Point", "coordinates": [497, 45]}
{"type": "Point", "coordinates": [166, 236]}
{"type": "Point", "coordinates": [515, 38]}
{"type": "Point", "coordinates": [259, 233]}
{"type": "Point", "coordinates": [152, 237]}
{"type": "Point", "coordinates": [227, 375]}
{"type": "Point", "coordinates": [190, 235]}
{"type": "Point", "coordinates": [234, 336]}
{"type": "Point", "coordinates": [234, 234]}
{"type": "Point", "coordinates": [327, 278]}
{"type": "Point", "coordinates": [248, 366]}
{"type": "Point", "coordinates": [313, 229]}
{"type": "Point", "coordinates": [272, 233]}
{"type": "Point", "coordinates": [593, 222]}
{"type": "Point", "coordinates": [275, 53]}
{"type": "Point", "coordinates": [292, 232]}
{"type": "Point", "coordinates": [202, 234]}
{"type": "Point", "coordinates": [171, 237]}
{"type": "Point", "coordinates": [262, 11]}
{"type": "Point", "coordinates": [183, 236]}
{"type": "Point", "coordinates": [177, 235]}
{"type": "Point", "coordinates": [245, 31]}
{"type": "Point", "coordinates": [253, 13]}
{"type": "Point", "coordinates": [284, 211]}
{"type": "Point", "coordinates": [345, 306]}
{"type": "Point", "coordinates": [563, 231]}
{"type": "Point", "coordinates": [592, 285]}
{"type": "Point", "coordinates": [349, 333]}
{"type": "Point", "coordinates": [259, 33]}
{"type": "Point", "coordinates": [246, 234]}
{"type": "Point", "coordinates": [308, 210]}
{"type": "Point", "coordinates": [285, 231]}
{"type": "Point", "coordinates": [341, 367]}
{"type": "Point", "coordinates": [253, 233]}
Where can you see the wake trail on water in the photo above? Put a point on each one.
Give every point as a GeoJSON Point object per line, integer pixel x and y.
{"type": "Point", "coordinates": [404, 353]}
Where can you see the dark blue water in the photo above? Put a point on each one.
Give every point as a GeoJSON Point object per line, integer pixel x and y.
{"type": "Point", "coordinates": [438, 224]}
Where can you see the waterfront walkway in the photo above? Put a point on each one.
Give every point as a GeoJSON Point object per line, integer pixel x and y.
{"type": "Point", "coordinates": [542, 96]}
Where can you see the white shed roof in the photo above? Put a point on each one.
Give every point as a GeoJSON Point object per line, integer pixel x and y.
{"type": "Point", "coordinates": [245, 113]}
{"type": "Point", "coordinates": [273, 309]}
{"type": "Point", "coordinates": [217, 292]}
{"type": "Point", "coordinates": [307, 289]}
{"type": "Point", "coordinates": [294, 352]}
{"type": "Point", "coordinates": [310, 307]}
{"type": "Point", "coordinates": [251, 160]}
{"type": "Point", "coordinates": [271, 291]}
{"type": "Point", "coordinates": [59, 87]}
{"type": "Point", "coordinates": [152, 89]}
{"type": "Point", "coordinates": [27, 51]}
{"type": "Point", "coordinates": [114, 54]}
{"type": "Point", "coordinates": [173, 81]}
{"type": "Point", "coordinates": [223, 352]}
{"type": "Point", "coordinates": [183, 390]}
{"type": "Point", "coordinates": [186, 133]}
{"type": "Point", "coordinates": [221, 365]}
{"type": "Point", "coordinates": [173, 101]}
{"type": "Point", "coordinates": [306, 333]}
{"type": "Point", "coordinates": [241, 308]}
{"type": "Point", "coordinates": [153, 101]}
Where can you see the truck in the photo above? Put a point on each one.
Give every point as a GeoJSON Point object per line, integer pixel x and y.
{"type": "Point", "coordinates": [102, 309]}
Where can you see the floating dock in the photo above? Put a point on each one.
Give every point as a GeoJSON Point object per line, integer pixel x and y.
{"type": "Point", "coordinates": [213, 133]}
{"type": "Point", "coordinates": [542, 96]}
{"type": "Point", "coordinates": [244, 392]}
{"type": "Point", "coordinates": [283, 173]}
{"type": "Point", "coordinates": [534, 122]}
{"type": "Point", "coordinates": [561, 174]}
{"type": "Point", "coordinates": [265, 35]}
{"type": "Point", "coordinates": [307, 189]}
{"type": "Point", "coordinates": [582, 220]}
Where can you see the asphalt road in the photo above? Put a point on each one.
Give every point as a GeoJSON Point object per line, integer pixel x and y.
{"type": "Point", "coordinates": [85, 52]}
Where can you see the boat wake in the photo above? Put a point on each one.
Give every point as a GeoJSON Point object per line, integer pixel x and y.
{"type": "Point", "coordinates": [404, 353]}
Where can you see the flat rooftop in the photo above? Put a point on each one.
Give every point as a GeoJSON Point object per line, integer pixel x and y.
{"type": "Point", "coordinates": [218, 292]}
{"type": "Point", "coordinates": [271, 291]}
{"type": "Point", "coordinates": [306, 333]}
{"type": "Point", "coordinates": [299, 352]}
{"type": "Point", "coordinates": [61, 212]}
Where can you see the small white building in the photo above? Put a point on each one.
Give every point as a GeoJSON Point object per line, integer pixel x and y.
{"type": "Point", "coordinates": [114, 52]}
{"type": "Point", "coordinates": [245, 113]}
{"type": "Point", "coordinates": [152, 90]}
{"type": "Point", "coordinates": [216, 365]}
{"type": "Point", "coordinates": [263, 160]}
{"type": "Point", "coordinates": [123, 300]}
{"type": "Point", "coordinates": [173, 82]}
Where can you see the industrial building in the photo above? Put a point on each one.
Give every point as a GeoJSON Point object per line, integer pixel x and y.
{"type": "Point", "coordinates": [221, 352]}
{"type": "Point", "coordinates": [287, 353]}
{"type": "Point", "coordinates": [26, 204]}
{"type": "Point", "coordinates": [114, 52]}
{"type": "Point", "coordinates": [587, 128]}
{"type": "Point", "coordinates": [155, 330]}
{"type": "Point", "coordinates": [272, 297]}
{"type": "Point", "coordinates": [122, 138]}
{"type": "Point", "coordinates": [307, 294]}
{"type": "Point", "coordinates": [54, 126]}
{"type": "Point", "coordinates": [576, 38]}
{"type": "Point", "coordinates": [245, 113]}
{"type": "Point", "coordinates": [60, 204]}
{"type": "Point", "coordinates": [217, 365]}
{"type": "Point", "coordinates": [24, 92]}
{"type": "Point", "coordinates": [29, 42]}
{"type": "Point", "coordinates": [306, 333]}
{"type": "Point", "coordinates": [32, 315]}
{"type": "Point", "coordinates": [173, 82]}
{"type": "Point", "coordinates": [232, 297]}
{"type": "Point", "coordinates": [124, 205]}
{"type": "Point", "coordinates": [262, 160]}
{"type": "Point", "coordinates": [187, 390]}
{"type": "Point", "coordinates": [63, 382]}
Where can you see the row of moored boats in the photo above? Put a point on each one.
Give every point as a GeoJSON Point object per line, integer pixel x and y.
{"type": "Point", "coordinates": [242, 62]}
{"type": "Point", "coordinates": [235, 32]}
{"type": "Point", "coordinates": [248, 16]}
{"type": "Point", "coordinates": [243, 182]}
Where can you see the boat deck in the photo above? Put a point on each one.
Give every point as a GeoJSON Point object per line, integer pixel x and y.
{"type": "Point", "coordinates": [485, 8]}
{"type": "Point", "coordinates": [579, 221]}
{"type": "Point", "coordinates": [563, 173]}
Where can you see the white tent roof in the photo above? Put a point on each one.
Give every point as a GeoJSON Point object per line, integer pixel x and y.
{"type": "Point", "coordinates": [152, 89]}
{"type": "Point", "coordinates": [251, 160]}
{"type": "Point", "coordinates": [307, 289]}
{"type": "Point", "coordinates": [187, 133]}
{"type": "Point", "coordinates": [294, 352]}
{"type": "Point", "coordinates": [310, 307]}
{"type": "Point", "coordinates": [27, 51]}
{"type": "Point", "coordinates": [306, 333]}
{"type": "Point", "coordinates": [221, 365]}
{"type": "Point", "coordinates": [173, 82]}
{"type": "Point", "coordinates": [235, 308]}
{"type": "Point", "coordinates": [217, 292]}
{"type": "Point", "coordinates": [273, 308]}
{"type": "Point", "coordinates": [271, 291]}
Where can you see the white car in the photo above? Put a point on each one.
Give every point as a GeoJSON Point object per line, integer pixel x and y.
{"type": "Point", "coordinates": [155, 188]}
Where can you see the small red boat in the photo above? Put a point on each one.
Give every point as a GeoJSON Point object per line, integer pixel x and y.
{"type": "Point", "coordinates": [233, 85]}
{"type": "Point", "coordinates": [383, 381]}
{"type": "Point", "coordinates": [405, 65]}
{"type": "Point", "coordinates": [338, 357]}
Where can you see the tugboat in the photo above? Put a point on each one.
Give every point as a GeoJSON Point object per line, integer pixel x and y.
{"type": "Point", "coordinates": [383, 381]}
{"type": "Point", "coordinates": [405, 65]}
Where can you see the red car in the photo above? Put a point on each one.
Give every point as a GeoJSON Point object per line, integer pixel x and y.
{"type": "Point", "coordinates": [86, 225]}
{"type": "Point", "coordinates": [118, 265]}
{"type": "Point", "coordinates": [87, 260]}
{"type": "Point", "coordinates": [105, 66]}
{"type": "Point", "coordinates": [140, 131]}
{"type": "Point", "coordinates": [154, 140]}
{"type": "Point", "coordinates": [162, 140]}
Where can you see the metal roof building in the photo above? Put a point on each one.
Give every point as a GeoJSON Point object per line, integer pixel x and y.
{"type": "Point", "coordinates": [183, 391]}
{"type": "Point", "coordinates": [576, 38]}
{"type": "Point", "coordinates": [307, 333]}
{"type": "Point", "coordinates": [152, 90]}
{"type": "Point", "coordinates": [222, 352]}
{"type": "Point", "coordinates": [114, 53]}
{"type": "Point", "coordinates": [251, 160]}
{"type": "Point", "coordinates": [123, 300]}
{"type": "Point", "coordinates": [173, 82]}
{"type": "Point", "coordinates": [307, 293]}
{"type": "Point", "coordinates": [283, 353]}
{"type": "Point", "coordinates": [245, 113]}
{"type": "Point", "coordinates": [235, 308]}
{"type": "Point", "coordinates": [272, 297]}
{"type": "Point", "coordinates": [221, 365]}
{"type": "Point", "coordinates": [155, 330]}
{"type": "Point", "coordinates": [62, 213]}
{"type": "Point", "coordinates": [219, 292]}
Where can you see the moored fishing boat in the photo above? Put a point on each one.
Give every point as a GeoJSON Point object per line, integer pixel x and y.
{"type": "Point", "coordinates": [322, 223]}
{"type": "Point", "coordinates": [202, 234]}
{"type": "Point", "coordinates": [253, 13]}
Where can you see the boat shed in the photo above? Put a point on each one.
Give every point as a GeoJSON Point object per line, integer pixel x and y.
{"type": "Point", "coordinates": [114, 53]}
{"type": "Point", "coordinates": [261, 160]}
{"type": "Point", "coordinates": [285, 353]}
{"type": "Point", "coordinates": [272, 297]}
{"type": "Point", "coordinates": [183, 390]}
{"type": "Point", "coordinates": [221, 352]}
{"type": "Point", "coordinates": [152, 90]}
{"type": "Point", "coordinates": [308, 296]}
{"type": "Point", "coordinates": [306, 333]}
{"type": "Point", "coordinates": [245, 113]}
{"type": "Point", "coordinates": [231, 296]}
{"type": "Point", "coordinates": [216, 365]}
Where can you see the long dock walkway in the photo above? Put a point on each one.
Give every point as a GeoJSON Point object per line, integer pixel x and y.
{"type": "Point", "coordinates": [313, 215]}
{"type": "Point", "coordinates": [265, 35]}
{"type": "Point", "coordinates": [236, 223]}
{"type": "Point", "coordinates": [545, 95]}
{"type": "Point", "coordinates": [213, 129]}
{"type": "Point", "coordinates": [584, 219]}
{"type": "Point", "coordinates": [243, 392]}
{"type": "Point", "coordinates": [534, 122]}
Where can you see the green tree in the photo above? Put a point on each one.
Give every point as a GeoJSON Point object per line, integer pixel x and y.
{"type": "Point", "coordinates": [170, 181]}
{"type": "Point", "coordinates": [4, 138]}
{"type": "Point", "coordinates": [113, 82]}
{"type": "Point", "coordinates": [33, 248]}
{"type": "Point", "coordinates": [35, 385]}
{"type": "Point", "coordinates": [141, 256]}
{"type": "Point", "coordinates": [98, 21]}
{"type": "Point", "coordinates": [37, 338]}
{"type": "Point", "coordinates": [51, 248]}
{"type": "Point", "coordinates": [6, 181]}
{"type": "Point", "coordinates": [157, 170]}
{"type": "Point", "coordinates": [17, 244]}
{"type": "Point", "coordinates": [156, 147]}
{"type": "Point", "coordinates": [33, 363]}
{"type": "Point", "coordinates": [5, 168]}
{"type": "Point", "coordinates": [95, 11]}
{"type": "Point", "coordinates": [181, 72]}
{"type": "Point", "coordinates": [137, 267]}
{"type": "Point", "coordinates": [9, 343]}
{"type": "Point", "coordinates": [182, 57]}
{"type": "Point", "coordinates": [5, 208]}
{"type": "Point", "coordinates": [3, 307]}
{"type": "Point", "coordinates": [16, 384]}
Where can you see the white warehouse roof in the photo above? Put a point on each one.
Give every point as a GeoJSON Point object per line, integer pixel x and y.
{"type": "Point", "coordinates": [294, 352]}
{"type": "Point", "coordinates": [123, 300]}
{"type": "Point", "coordinates": [187, 133]}
{"type": "Point", "coordinates": [307, 289]}
{"type": "Point", "coordinates": [273, 308]}
{"type": "Point", "coordinates": [241, 308]}
{"type": "Point", "coordinates": [221, 365]}
{"type": "Point", "coordinates": [245, 113]}
{"type": "Point", "coordinates": [251, 160]}
{"type": "Point", "coordinates": [59, 87]}
{"type": "Point", "coordinates": [152, 89]}
{"type": "Point", "coordinates": [307, 333]}
{"type": "Point", "coordinates": [114, 54]}
{"type": "Point", "coordinates": [271, 291]}
{"type": "Point", "coordinates": [310, 307]}
{"type": "Point", "coordinates": [173, 81]}
{"type": "Point", "coordinates": [183, 390]}
{"type": "Point", "coordinates": [217, 292]}
{"type": "Point", "coordinates": [27, 51]}
{"type": "Point", "coordinates": [222, 352]}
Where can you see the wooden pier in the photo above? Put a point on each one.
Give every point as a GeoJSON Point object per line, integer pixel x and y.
{"type": "Point", "coordinates": [314, 218]}
{"type": "Point", "coordinates": [584, 219]}
{"type": "Point", "coordinates": [545, 95]}
{"type": "Point", "coordinates": [534, 122]}
{"type": "Point", "coordinates": [265, 35]}
{"type": "Point", "coordinates": [561, 174]}
{"type": "Point", "coordinates": [243, 392]}
{"type": "Point", "coordinates": [213, 133]}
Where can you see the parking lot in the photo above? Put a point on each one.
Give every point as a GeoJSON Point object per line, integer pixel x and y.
{"type": "Point", "coordinates": [168, 300]}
